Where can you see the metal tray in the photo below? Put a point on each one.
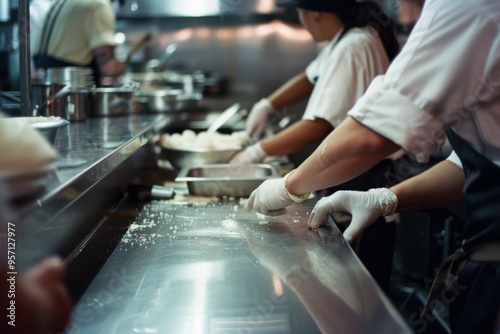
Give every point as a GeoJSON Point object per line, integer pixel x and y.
{"type": "Point", "coordinates": [226, 179]}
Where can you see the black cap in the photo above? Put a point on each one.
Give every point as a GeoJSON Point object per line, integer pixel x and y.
{"type": "Point", "coordinates": [333, 6]}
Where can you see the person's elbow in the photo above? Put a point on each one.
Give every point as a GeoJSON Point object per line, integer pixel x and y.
{"type": "Point", "coordinates": [377, 143]}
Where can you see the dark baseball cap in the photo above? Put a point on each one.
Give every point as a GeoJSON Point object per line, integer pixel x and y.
{"type": "Point", "coordinates": [333, 6]}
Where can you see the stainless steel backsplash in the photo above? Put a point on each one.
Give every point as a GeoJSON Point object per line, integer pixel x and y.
{"type": "Point", "coordinates": [256, 57]}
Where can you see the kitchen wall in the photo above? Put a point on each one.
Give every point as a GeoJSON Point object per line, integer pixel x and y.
{"type": "Point", "coordinates": [256, 57]}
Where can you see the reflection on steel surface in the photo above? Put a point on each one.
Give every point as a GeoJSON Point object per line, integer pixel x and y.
{"type": "Point", "coordinates": [213, 268]}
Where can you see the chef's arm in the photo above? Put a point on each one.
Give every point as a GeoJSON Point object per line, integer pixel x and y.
{"type": "Point", "coordinates": [108, 64]}
{"type": "Point", "coordinates": [348, 151]}
{"type": "Point", "coordinates": [438, 186]}
{"type": "Point", "coordinates": [292, 91]}
{"type": "Point", "coordinates": [297, 136]}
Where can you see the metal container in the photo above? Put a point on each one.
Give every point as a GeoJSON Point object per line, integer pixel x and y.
{"type": "Point", "coordinates": [110, 101]}
{"type": "Point", "coordinates": [73, 107]}
{"type": "Point", "coordinates": [225, 179]}
{"type": "Point", "coordinates": [160, 80]}
{"type": "Point", "coordinates": [164, 101]}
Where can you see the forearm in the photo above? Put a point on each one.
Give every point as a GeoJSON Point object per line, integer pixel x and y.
{"type": "Point", "coordinates": [296, 137]}
{"type": "Point", "coordinates": [348, 151]}
{"type": "Point", "coordinates": [439, 186]}
{"type": "Point", "coordinates": [107, 63]}
{"type": "Point", "coordinates": [293, 91]}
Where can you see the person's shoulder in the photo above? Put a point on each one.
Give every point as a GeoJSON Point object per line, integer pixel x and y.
{"type": "Point", "coordinates": [362, 35]}
{"type": "Point", "coordinates": [360, 38]}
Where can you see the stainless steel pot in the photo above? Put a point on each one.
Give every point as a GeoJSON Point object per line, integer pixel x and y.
{"type": "Point", "coordinates": [73, 106]}
{"type": "Point", "coordinates": [110, 101]}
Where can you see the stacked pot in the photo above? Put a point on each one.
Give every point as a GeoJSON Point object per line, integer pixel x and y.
{"type": "Point", "coordinates": [73, 106]}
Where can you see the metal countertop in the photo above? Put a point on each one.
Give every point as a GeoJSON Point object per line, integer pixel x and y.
{"type": "Point", "coordinates": [197, 265]}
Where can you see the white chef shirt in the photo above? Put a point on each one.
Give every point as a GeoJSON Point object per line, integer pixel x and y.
{"type": "Point", "coordinates": [344, 72]}
{"type": "Point", "coordinates": [446, 76]}
{"type": "Point", "coordinates": [81, 27]}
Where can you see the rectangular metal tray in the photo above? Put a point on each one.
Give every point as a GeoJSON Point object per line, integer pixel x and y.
{"type": "Point", "coordinates": [226, 179]}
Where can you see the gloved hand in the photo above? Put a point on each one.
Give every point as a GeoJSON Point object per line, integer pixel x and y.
{"type": "Point", "coordinates": [271, 197]}
{"type": "Point", "coordinates": [257, 119]}
{"type": "Point", "coordinates": [360, 208]}
{"type": "Point", "coordinates": [250, 155]}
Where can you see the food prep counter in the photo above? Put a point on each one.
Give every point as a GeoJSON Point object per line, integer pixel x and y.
{"type": "Point", "coordinates": [192, 265]}
{"type": "Point", "coordinates": [189, 264]}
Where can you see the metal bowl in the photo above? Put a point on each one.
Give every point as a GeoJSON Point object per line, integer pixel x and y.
{"type": "Point", "coordinates": [48, 126]}
{"type": "Point", "coordinates": [181, 158]}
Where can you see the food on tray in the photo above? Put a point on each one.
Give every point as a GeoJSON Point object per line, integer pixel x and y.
{"type": "Point", "coordinates": [188, 139]}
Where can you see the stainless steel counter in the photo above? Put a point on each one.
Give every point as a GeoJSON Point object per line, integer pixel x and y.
{"type": "Point", "coordinates": [97, 159]}
{"type": "Point", "coordinates": [194, 265]}
{"type": "Point", "coordinates": [191, 264]}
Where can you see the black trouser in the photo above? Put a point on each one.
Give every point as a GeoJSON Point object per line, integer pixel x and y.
{"type": "Point", "coordinates": [475, 300]}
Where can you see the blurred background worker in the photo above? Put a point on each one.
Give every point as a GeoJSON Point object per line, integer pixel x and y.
{"type": "Point", "coordinates": [79, 33]}
{"type": "Point", "coordinates": [355, 54]}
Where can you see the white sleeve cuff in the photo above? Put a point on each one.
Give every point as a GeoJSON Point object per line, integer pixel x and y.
{"type": "Point", "coordinates": [455, 159]}
{"type": "Point", "coordinates": [392, 115]}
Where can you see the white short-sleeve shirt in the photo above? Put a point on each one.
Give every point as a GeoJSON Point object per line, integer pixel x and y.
{"type": "Point", "coordinates": [446, 76]}
{"type": "Point", "coordinates": [342, 72]}
{"type": "Point", "coordinates": [80, 27]}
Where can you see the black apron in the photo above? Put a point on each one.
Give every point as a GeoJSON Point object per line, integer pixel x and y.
{"type": "Point", "coordinates": [472, 287]}
{"type": "Point", "coordinates": [44, 60]}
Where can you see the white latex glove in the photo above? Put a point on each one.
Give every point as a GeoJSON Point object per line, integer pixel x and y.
{"type": "Point", "coordinates": [250, 155]}
{"type": "Point", "coordinates": [271, 197]}
{"type": "Point", "coordinates": [257, 119]}
{"type": "Point", "coordinates": [360, 208]}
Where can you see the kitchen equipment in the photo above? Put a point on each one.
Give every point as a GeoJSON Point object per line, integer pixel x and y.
{"type": "Point", "coordinates": [223, 118]}
{"type": "Point", "coordinates": [200, 119]}
{"type": "Point", "coordinates": [52, 99]}
{"type": "Point", "coordinates": [144, 192]}
{"type": "Point", "coordinates": [38, 109]}
{"type": "Point", "coordinates": [110, 101]}
{"type": "Point", "coordinates": [137, 46]}
{"type": "Point", "coordinates": [164, 100]}
{"type": "Point", "coordinates": [48, 126]}
{"type": "Point", "coordinates": [180, 158]}
{"type": "Point", "coordinates": [157, 64]}
{"type": "Point", "coordinates": [161, 80]}
{"type": "Point", "coordinates": [226, 180]}
{"type": "Point", "coordinates": [77, 77]}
